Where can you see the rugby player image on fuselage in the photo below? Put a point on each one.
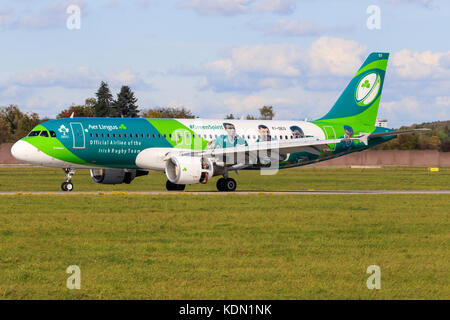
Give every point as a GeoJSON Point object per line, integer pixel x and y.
{"type": "Point", "coordinates": [348, 135]}
{"type": "Point", "coordinates": [297, 132]}
{"type": "Point", "coordinates": [231, 139]}
{"type": "Point", "coordinates": [264, 133]}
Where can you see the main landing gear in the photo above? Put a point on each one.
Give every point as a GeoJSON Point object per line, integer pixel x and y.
{"type": "Point", "coordinates": [68, 185]}
{"type": "Point", "coordinates": [174, 187]}
{"type": "Point", "coordinates": [226, 184]}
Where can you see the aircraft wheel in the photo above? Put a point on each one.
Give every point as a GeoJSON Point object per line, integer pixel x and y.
{"type": "Point", "coordinates": [230, 184]}
{"type": "Point", "coordinates": [174, 187]}
{"type": "Point", "coordinates": [221, 184]}
{"type": "Point", "coordinates": [67, 186]}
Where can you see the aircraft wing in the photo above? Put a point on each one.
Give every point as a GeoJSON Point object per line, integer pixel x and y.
{"type": "Point", "coordinates": [266, 148]}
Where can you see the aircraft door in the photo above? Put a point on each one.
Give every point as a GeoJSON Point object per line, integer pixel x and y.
{"type": "Point", "coordinates": [331, 134]}
{"type": "Point", "coordinates": [78, 135]}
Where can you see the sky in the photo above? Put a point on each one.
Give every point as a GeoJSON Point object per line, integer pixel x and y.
{"type": "Point", "coordinates": [217, 57]}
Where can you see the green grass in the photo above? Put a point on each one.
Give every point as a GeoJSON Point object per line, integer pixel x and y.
{"type": "Point", "coordinates": [229, 247]}
{"type": "Point", "coordinates": [36, 179]}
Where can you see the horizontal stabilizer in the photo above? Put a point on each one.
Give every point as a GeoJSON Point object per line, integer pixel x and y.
{"type": "Point", "coordinates": [364, 137]}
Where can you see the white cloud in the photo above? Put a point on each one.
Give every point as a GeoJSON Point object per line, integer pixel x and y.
{"type": "Point", "coordinates": [252, 68]}
{"type": "Point", "coordinates": [294, 28]}
{"type": "Point", "coordinates": [443, 101]}
{"type": "Point", "coordinates": [217, 7]}
{"type": "Point", "coordinates": [275, 6]}
{"type": "Point", "coordinates": [234, 7]}
{"type": "Point", "coordinates": [241, 106]}
{"type": "Point", "coordinates": [335, 56]}
{"type": "Point", "coordinates": [79, 78]}
{"type": "Point", "coordinates": [424, 65]}
{"type": "Point", "coordinates": [413, 109]}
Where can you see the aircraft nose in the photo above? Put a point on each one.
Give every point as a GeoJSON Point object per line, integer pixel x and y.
{"type": "Point", "coordinates": [22, 150]}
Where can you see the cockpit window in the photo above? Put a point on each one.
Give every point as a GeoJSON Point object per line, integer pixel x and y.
{"type": "Point", "coordinates": [44, 134]}
{"type": "Point", "coordinates": [34, 133]}
{"type": "Point", "coordinates": [53, 134]}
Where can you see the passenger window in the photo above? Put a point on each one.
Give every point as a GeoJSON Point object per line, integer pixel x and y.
{"type": "Point", "coordinates": [34, 133]}
{"type": "Point", "coordinates": [44, 134]}
{"type": "Point", "coordinates": [281, 137]}
{"type": "Point", "coordinates": [154, 136]}
{"type": "Point", "coordinates": [52, 134]}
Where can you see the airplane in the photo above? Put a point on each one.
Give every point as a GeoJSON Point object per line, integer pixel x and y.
{"type": "Point", "coordinates": [192, 151]}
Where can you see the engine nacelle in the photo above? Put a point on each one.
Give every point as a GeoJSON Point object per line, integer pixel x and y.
{"type": "Point", "coordinates": [115, 176]}
{"type": "Point", "coordinates": [189, 170]}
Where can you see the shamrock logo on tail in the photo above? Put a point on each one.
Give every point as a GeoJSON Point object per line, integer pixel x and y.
{"type": "Point", "coordinates": [366, 84]}
{"type": "Point", "coordinates": [123, 127]}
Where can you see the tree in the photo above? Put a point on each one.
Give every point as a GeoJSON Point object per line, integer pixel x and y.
{"type": "Point", "coordinates": [267, 113]}
{"type": "Point", "coordinates": [15, 124]}
{"type": "Point", "coordinates": [250, 117]}
{"type": "Point", "coordinates": [104, 105]}
{"type": "Point", "coordinates": [125, 104]}
{"type": "Point", "coordinates": [5, 131]}
{"type": "Point", "coordinates": [229, 116]}
{"type": "Point", "coordinates": [86, 110]}
{"type": "Point", "coordinates": [180, 113]}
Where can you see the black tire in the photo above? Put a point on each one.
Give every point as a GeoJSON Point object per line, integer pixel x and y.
{"type": "Point", "coordinates": [221, 184]}
{"type": "Point", "coordinates": [230, 185]}
{"type": "Point", "coordinates": [67, 186]}
{"type": "Point", "coordinates": [174, 187]}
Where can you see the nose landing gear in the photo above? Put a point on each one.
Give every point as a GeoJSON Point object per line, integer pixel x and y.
{"type": "Point", "coordinates": [68, 185]}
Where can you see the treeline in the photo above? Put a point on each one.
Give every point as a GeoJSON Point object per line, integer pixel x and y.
{"type": "Point", "coordinates": [438, 138]}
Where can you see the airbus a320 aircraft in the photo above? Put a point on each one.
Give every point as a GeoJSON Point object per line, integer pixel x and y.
{"type": "Point", "coordinates": [191, 151]}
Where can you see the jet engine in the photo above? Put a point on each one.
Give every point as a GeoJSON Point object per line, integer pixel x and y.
{"type": "Point", "coordinates": [115, 176]}
{"type": "Point", "coordinates": [189, 170]}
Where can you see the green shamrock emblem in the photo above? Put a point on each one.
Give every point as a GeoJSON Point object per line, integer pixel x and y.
{"type": "Point", "coordinates": [366, 84]}
{"type": "Point", "coordinates": [122, 127]}
{"type": "Point", "coordinates": [184, 169]}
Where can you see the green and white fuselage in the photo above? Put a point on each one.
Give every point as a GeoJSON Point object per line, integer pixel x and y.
{"type": "Point", "coordinates": [144, 143]}
{"type": "Point", "coordinates": [191, 151]}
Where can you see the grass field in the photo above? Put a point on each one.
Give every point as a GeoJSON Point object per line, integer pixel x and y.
{"type": "Point", "coordinates": [261, 246]}
{"type": "Point", "coordinates": [40, 179]}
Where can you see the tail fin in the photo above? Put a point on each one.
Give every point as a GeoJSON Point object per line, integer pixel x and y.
{"type": "Point", "coordinates": [360, 100]}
